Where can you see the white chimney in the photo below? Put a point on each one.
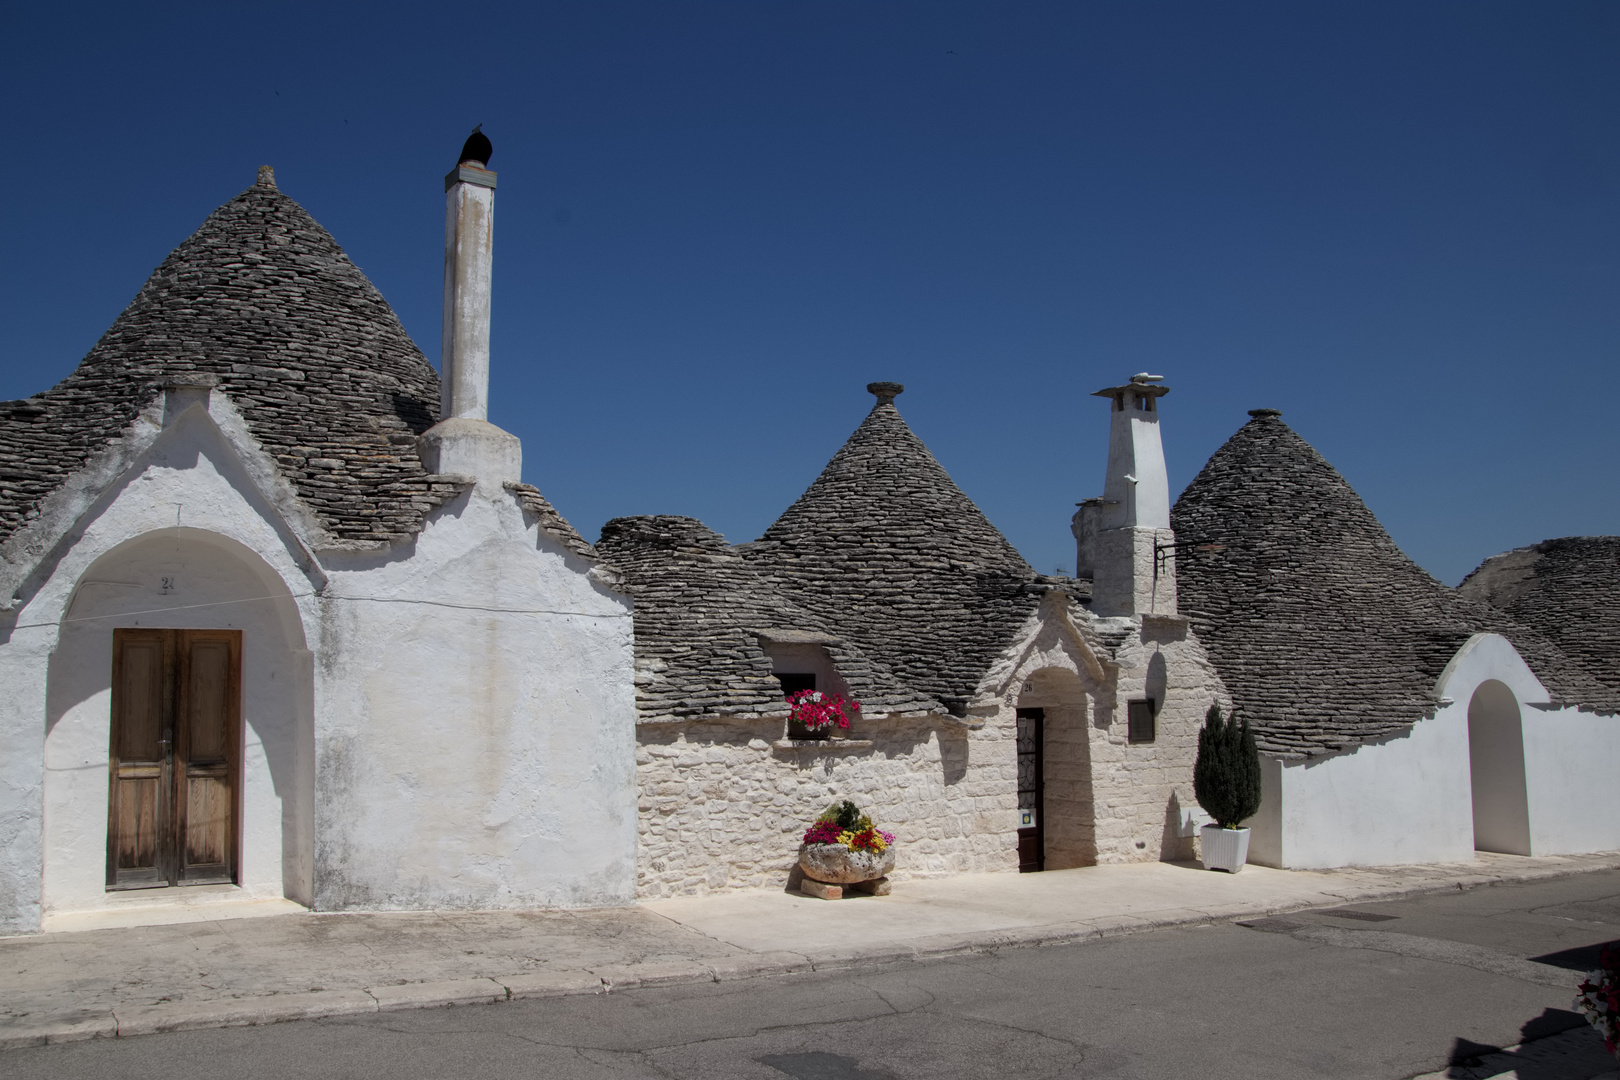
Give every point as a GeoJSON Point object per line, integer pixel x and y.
{"type": "Point", "coordinates": [464, 441]}
{"type": "Point", "coordinates": [1124, 537]}
{"type": "Point", "coordinates": [469, 247]}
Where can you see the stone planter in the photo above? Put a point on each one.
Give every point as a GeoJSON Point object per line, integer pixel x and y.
{"type": "Point", "coordinates": [1223, 849]}
{"type": "Point", "coordinates": [829, 868]}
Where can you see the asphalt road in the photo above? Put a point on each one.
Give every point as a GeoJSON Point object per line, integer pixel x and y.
{"type": "Point", "coordinates": [1405, 988]}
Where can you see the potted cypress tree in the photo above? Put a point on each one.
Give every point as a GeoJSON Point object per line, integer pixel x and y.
{"type": "Point", "coordinates": [1226, 780]}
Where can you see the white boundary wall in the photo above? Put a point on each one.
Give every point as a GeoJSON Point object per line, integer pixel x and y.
{"type": "Point", "coordinates": [1408, 798]}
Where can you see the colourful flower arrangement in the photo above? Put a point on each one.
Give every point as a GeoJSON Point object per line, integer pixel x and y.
{"type": "Point", "coordinates": [817, 711]}
{"type": "Point", "coordinates": [843, 823]}
{"type": "Point", "coordinates": [1599, 998]}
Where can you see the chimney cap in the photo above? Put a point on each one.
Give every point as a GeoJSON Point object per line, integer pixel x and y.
{"type": "Point", "coordinates": [1263, 414]}
{"type": "Point", "coordinates": [1141, 384]}
{"type": "Point", "coordinates": [476, 149]}
{"type": "Point", "coordinates": [885, 392]}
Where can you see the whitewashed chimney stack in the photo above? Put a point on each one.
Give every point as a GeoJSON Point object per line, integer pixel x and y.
{"type": "Point", "coordinates": [1124, 538]}
{"type": "Point", "coordinates": [464, 442]}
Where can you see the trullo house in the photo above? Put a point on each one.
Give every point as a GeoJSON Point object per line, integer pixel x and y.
{"type": "Point", "coordinates": [281, 621]}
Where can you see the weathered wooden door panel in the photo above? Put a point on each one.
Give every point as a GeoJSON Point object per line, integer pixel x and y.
{"type": "Point", "coordinates": [142, 700]}
{"type": "Point", "coordinates": [176, 736]}
{"type": "Point", "coordinates": [209, 665]}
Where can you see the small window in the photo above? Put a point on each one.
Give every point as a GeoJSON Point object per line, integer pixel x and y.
{"type": "Point", "coordinates": [792, 684]}
{"type": "Point", "coordinates": [1143, 727]}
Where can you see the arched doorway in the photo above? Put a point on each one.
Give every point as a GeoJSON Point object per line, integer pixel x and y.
{"type": "Point", "coordinates": [1496, 770]}
{"type": "Point", "coordinates": [188, 615]}
{"type": "Point", "coordinates": [1054, 752]}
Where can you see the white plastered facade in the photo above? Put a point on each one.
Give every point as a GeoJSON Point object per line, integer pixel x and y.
{"type": "Point", "coordinates": [1496, 767]}
{"type": "Point", "coordinates": [447, 723]}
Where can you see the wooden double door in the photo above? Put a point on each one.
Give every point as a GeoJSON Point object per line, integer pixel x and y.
{"type": "Point", "coordinates": [175, 803]}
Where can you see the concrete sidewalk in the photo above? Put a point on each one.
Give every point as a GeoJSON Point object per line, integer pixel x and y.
{"type": "Point", "coordinates": [117, 982]}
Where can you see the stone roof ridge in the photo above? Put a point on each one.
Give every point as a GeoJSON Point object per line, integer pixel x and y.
{"type": "Point", "coordinates": [261, 298]}
{"type": "Point", "coordinates": [900, 559]}
{"type": "Point", "coordinates": [701, 613]}
{"type": "Point", "coordinates": [1327, 634]}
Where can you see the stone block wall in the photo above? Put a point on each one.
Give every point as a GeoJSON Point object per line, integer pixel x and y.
{"type": "Point", "coordinates": [721, 807]}
{"type": "Point", "coordinates": [1108, 800]}
{"type": "Point", "coordinates": [1144, 793]}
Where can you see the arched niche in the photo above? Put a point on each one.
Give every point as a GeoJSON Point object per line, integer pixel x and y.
{"type": "Point", "coordinates": [1066, 805]}
{"type": "Point", "coordinates": [174, 579]}
{"type": "Point", "coordinates": [1496, 770]}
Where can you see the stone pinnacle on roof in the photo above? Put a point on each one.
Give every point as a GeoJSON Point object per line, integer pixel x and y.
{"type": "Point", "coordinates": [885, 392]}
{"type": "Point", "coordinates": [267, 178]}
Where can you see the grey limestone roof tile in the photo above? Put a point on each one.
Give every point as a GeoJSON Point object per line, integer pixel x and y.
{"type": "Point", "coordinates": [1567, 589]}
{"type": "Point", "coordinates": [262, 298]}
{"type": "Point", "coordinates": [1324, 631]}
{"type": "Point", "coordinates": [887, 549]}
{"type": "Point", "coordinates": [701, 611]}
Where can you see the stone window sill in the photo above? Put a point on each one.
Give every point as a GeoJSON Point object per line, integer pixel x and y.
{"type": "Point", "coordinates": [822, 744]}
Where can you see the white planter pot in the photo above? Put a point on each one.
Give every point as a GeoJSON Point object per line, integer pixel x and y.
{"type": "Point", "coordinates": [1223, 849]}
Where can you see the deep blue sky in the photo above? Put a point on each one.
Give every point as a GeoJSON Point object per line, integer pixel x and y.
{"type": "Point", "coordinates": [716, 222]}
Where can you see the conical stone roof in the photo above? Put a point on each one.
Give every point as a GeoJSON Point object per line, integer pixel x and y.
{"type": "Point", "coordinates": [1568, 589]}
{"type": "Point", "coordinates": [1325, 632]}
{"type": "Point", "coordinates": [263, 299]}
{"type": "Point", "coordinates": [889, 550]}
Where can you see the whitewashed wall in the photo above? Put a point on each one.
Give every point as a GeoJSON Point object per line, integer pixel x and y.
{"type": "Point", "coordinates": [185, 510]}
{"type": "Point", "coordinates": [475, 736]}
{"type": "Point", "coordinates": [1401, 800]}
{"type": "Point", "coordinates": [1409, 798]}
{"type": "Point", "coordinates": [476, 726]}
{"type": "Point", "coordinates": [1572, 768]}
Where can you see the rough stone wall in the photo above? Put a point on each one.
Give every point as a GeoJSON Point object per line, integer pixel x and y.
{"type": "Point", "coordinates": [1145, 802]}
{"type": "Point", "coordinates": [721, 807]}
{"type": "Point", "coordinates": [1136, 802]}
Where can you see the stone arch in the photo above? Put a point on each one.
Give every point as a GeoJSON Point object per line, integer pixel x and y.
{"type": "Point", "coordinates": [1496, 770]}
{"type": "Point", "coordinates": [1068, 813]}
{"type": "Point", "coordinates": [180, 578]}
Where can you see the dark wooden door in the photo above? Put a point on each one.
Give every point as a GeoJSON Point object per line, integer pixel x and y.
{"type": "Point", "coordinates": [1031, 839]}
{"type": "Point", "coordinates": [173, 807]}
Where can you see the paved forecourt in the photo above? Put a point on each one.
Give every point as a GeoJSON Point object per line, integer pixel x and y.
{"type": "Point", "coordinates": [140, 980]}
